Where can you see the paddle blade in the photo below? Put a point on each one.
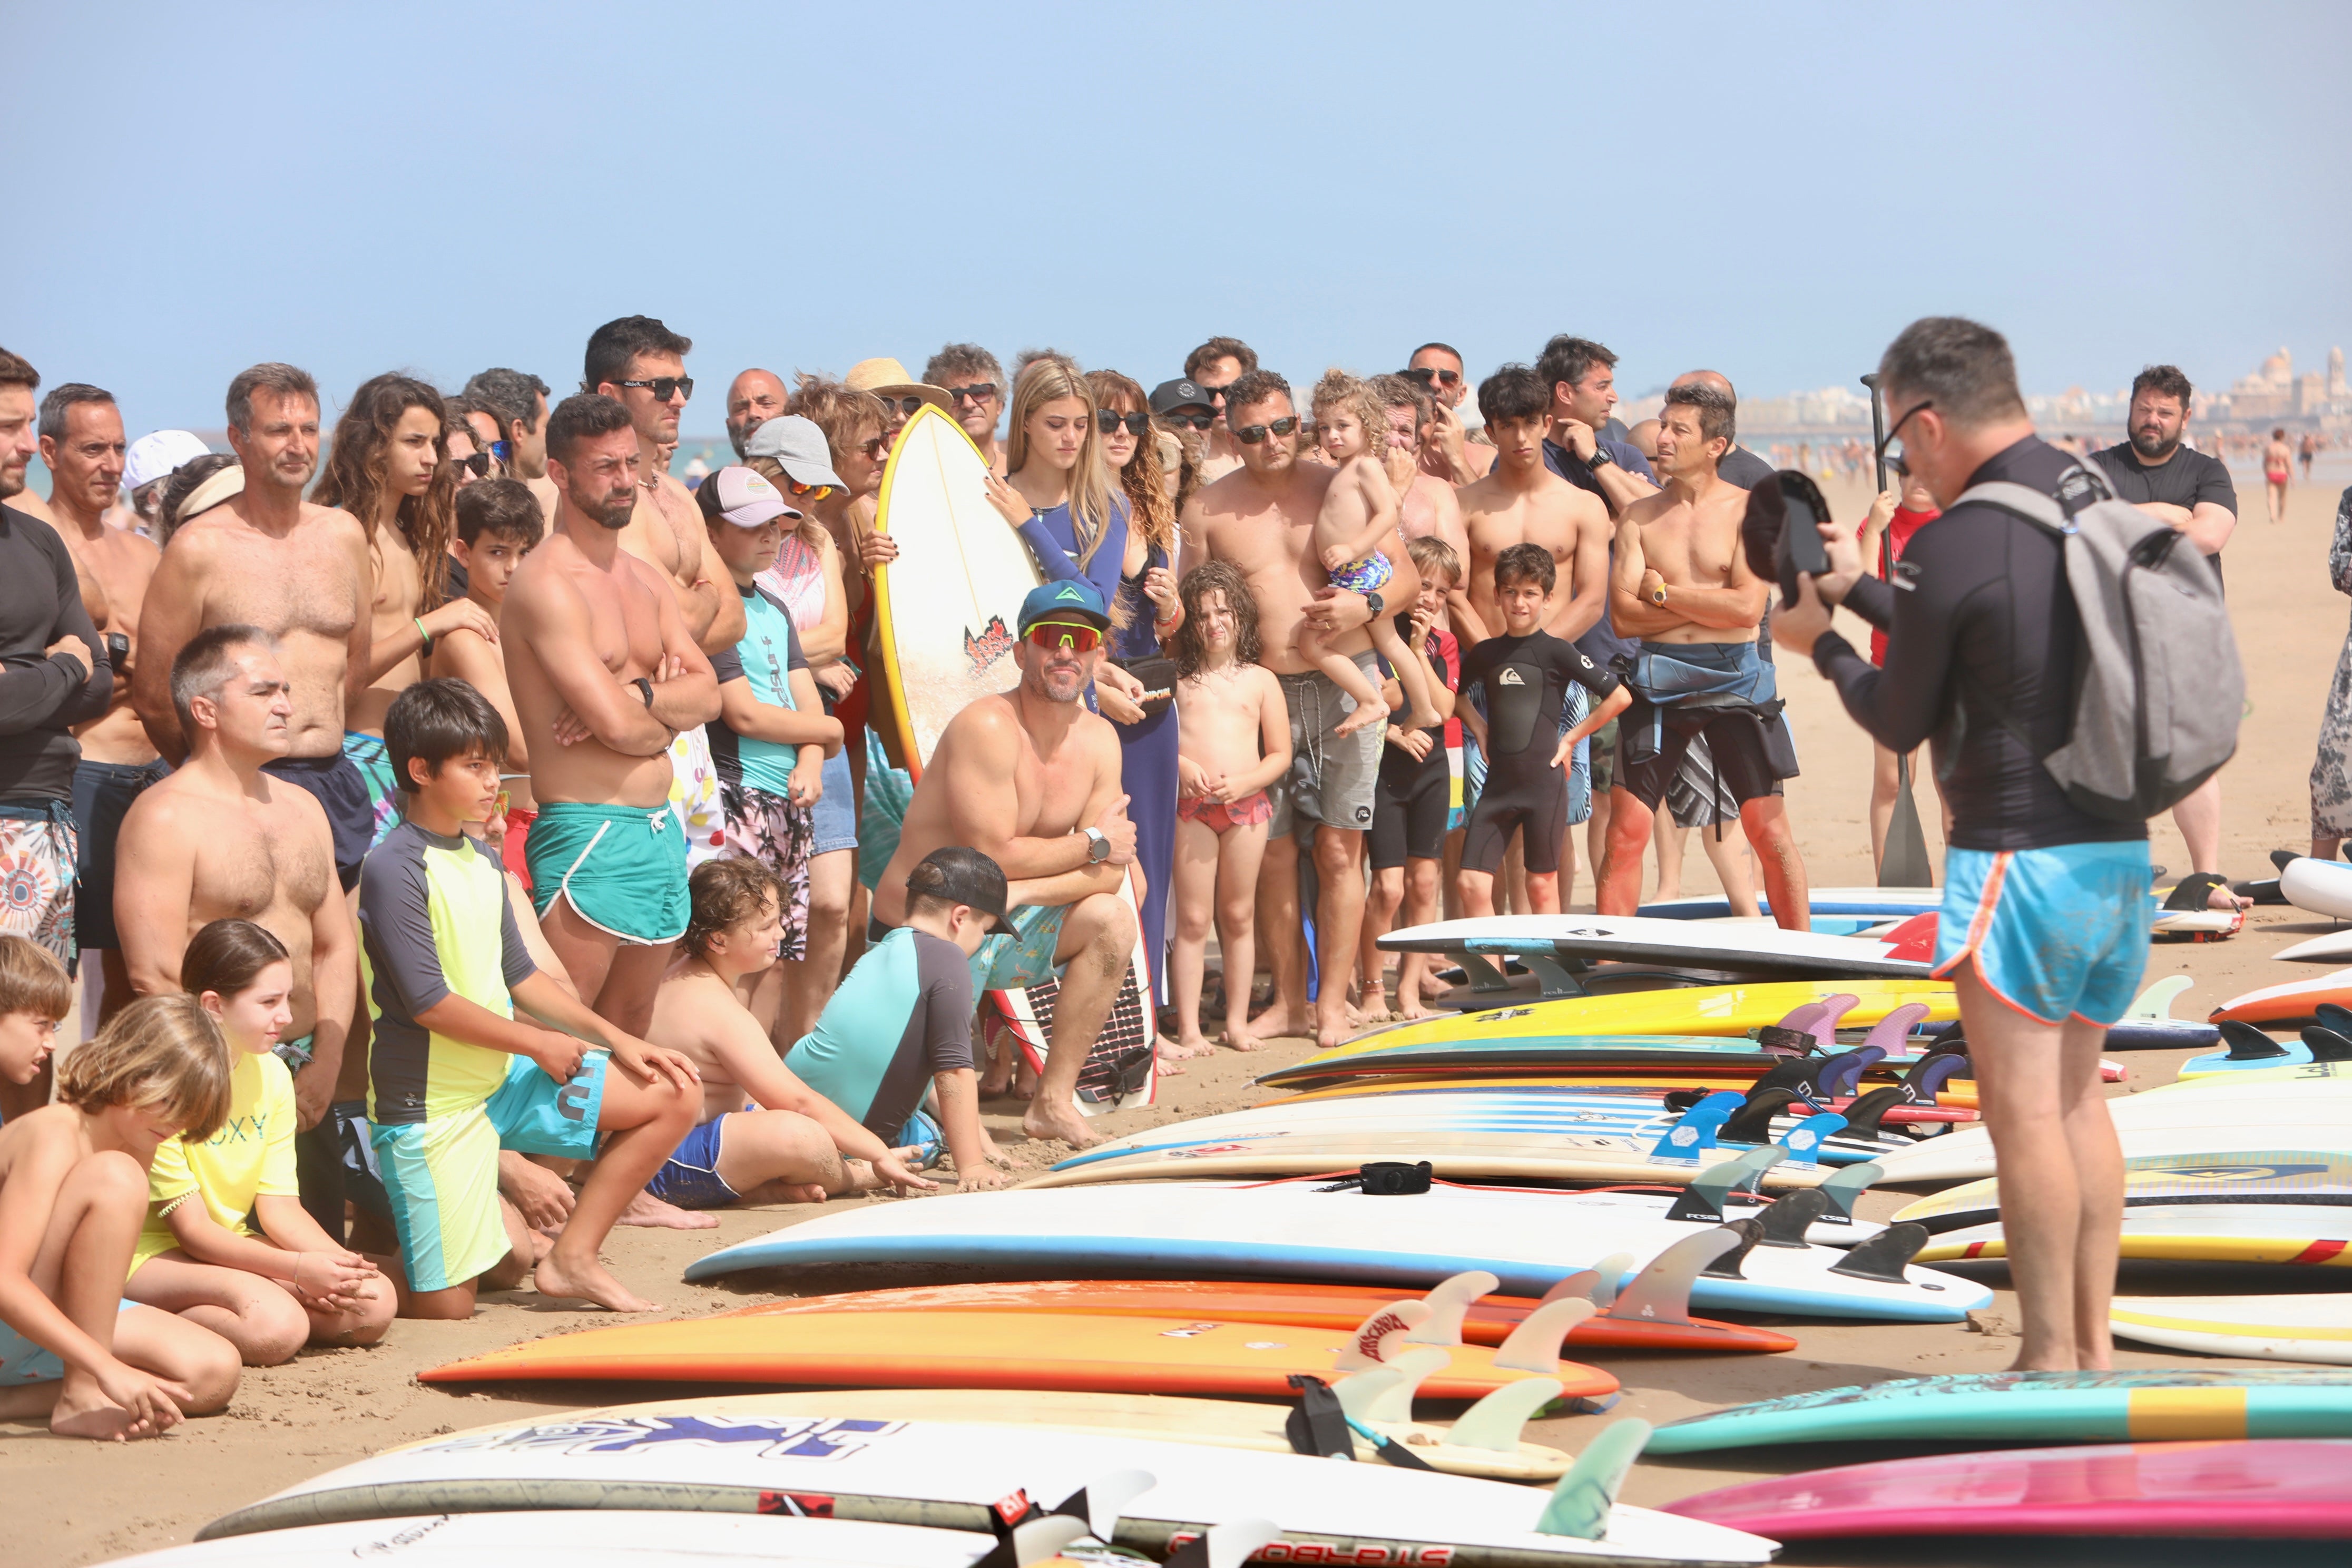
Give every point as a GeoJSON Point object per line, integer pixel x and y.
{"type": "Point", "coordinates": [1581, 1503]}
{"type": "Point", "coordinates": [1905, 863]}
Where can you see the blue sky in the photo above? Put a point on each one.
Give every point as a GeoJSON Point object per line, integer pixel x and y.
{"type": "Point", "coordinates": [1771, 190]}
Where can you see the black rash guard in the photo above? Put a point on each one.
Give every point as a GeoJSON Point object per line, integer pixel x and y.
{"type": "Point", "coordinates": [1980, 624]}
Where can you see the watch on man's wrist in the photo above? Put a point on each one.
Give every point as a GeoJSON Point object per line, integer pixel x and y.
{"type": "Point", "coordinates": [1098, 846]}
{"type": "Point", "coordinates": [1375, 603]}
{"type": "Point", "coordinates": [1600, 458]}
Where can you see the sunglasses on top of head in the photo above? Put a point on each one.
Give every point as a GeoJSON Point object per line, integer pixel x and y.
{"type": "Point", "coordinates": [1075, 635]}
{"type": "Point", "coordinates": [1251, 434]}
{"type": "Point", "coordinates": [1108, 423]}
{"type": "Point", "coordinates": [1425, 375]}
{"type": "Point", "coordinates": [664, 387]}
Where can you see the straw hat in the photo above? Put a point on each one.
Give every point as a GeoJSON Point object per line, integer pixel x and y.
{"type": "Point", "coordinates": [889, 378]}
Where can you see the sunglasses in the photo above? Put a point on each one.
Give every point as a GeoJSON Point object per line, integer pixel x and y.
{"type": "Point", "coordinates": [664, 387]}
{"type": "Point", "coordinates": [1072, 634]}
{"type": "Point", "coordinates": [479, 463]}
{"type": "Point", "coordinates": [1216, 394]}
{"type": "Point", "coordinates": [1251, 434]}
{"type": "Point", "coordinates": [906, 406]}
{"type": "Point", "coordinates": [502, 450]}
{"type": "Point", "coordinates": [1426, 376]}
{"type": "Point", "coordinates": [874, 449]}
{"type": "Point", "coordinates": [1108, 423]}
{"type": "Point", "coordinates": [977, 392]}
{"type": "Point", "coordinates": [814, 492]}
{"type": "Point", "coordinates": [1897, 428]}
{"type": "Point", "coordinates": [1191, 421]}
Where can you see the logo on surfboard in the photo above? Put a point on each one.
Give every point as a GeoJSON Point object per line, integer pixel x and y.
{"type": "Point", "coordinates": [811, 1438]}
{"type": "Point", "coordinates": [993, 643]}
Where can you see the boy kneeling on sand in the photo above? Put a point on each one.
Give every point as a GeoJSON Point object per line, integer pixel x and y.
{"type": "Point", "coordinates": [453, 1075]}
{"type": "Point", "coordinates": [73, 1195]}
{"type": "Point", "coordinates": [789, 1143]}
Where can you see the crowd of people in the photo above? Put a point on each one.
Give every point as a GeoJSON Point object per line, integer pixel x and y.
{"type": "Point", "coordinates": [471, 846]}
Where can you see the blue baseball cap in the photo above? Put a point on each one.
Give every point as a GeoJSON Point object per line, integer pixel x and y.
{"type": "Point", "coordinates": [1050, 601]}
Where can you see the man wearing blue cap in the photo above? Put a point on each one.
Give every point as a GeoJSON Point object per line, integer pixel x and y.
{"type": "Point", "coordinates": [1031, 779]}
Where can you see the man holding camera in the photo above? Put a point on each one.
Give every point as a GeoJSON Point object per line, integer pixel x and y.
{"type": "Point", "coordinates": [2044, 927]}
{"type": "Point", "coordinates": [1680, 581]}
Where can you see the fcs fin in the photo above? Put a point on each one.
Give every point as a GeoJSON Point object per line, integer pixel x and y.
{"type": "Point", "coordinates": [1534, 1345]}
{"type": "Point", "coordinates": [2155, 1002]}
{"type": "Point", "coordinates": [1725, 1264]}
{"type": "Point", "coordinates": [1447, 1303]}
{"type": "Point", "coordinates": [1597, 1284]}
{"type": "Point", "coordinates": [1928, 1076]}
{"type": "Point", "coordinates": [1797, 1073]}
{"type": "Point", "coordinates": [1842, 1077]}
{"type": "Point", "coordinates": [1037, 1541]}
{"type": "Point", "coordinates": [1803, 1140]}
{"type": "Point", "coordinates": [2328, 1044]}
{"type": "Point", "coordinates": [1752, 1122]}
{"type": "Point", "coordinates": [1787, 1218]}
{"type": "Point", "coordinates": [1833, 1008]}
{"type": "Point", "coordinates": [1862, 1117]}
{"type": "Point", "coordinates": [1227, 1546]}
{"type": "Point", "coordinates": [1843, 1188]}
{"type": "Point", "coordinates": [1801, 1019]}
{"type": "Point", "coordinates": [2248, 1044]}
{"type": "Point", "coordinates": [1378, 1337]}
{"type": "Point", "coordinates": [1389, 1398]}
{"type": "Point", "coordinates": [1709, 1192]}
{"type": "Point", "coordinates": [1317, 1424]}
{"type": "Point", "coordinates": [1692, 1138]}
{"type": "Point", "coordinates": [2332, 1015]}
{"type": "Point", "coordinates": [1496, 1422]}
{"type": "Point", "coordinates": [1883, 1255]}
{"type": "Point", "coordinates": [1660, 1292]}
{"type": "Point", "coordinates": [1096, 1506]}
{"type": "Point", "coordinates": [1889, 1033]}
{"type": "Point", "coordinates": [1581, 1503]}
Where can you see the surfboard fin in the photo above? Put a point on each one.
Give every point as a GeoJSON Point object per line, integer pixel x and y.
{"type": "Point", "coordinates": [1597, 1284]}
{"type": "Point", "coordinates": [2333, 1016]}
{"type": "Point", "coordinates": [1889, 1033]}
{"type": "Point", "coordinates": [1929, 1073]}
{"type": "Point", "coordinates": [1796, 1074]}
{"type": "Point", "coordinates": [2248, 1044]}
{"type": "Point", "coordinates": [1227, 1545]}
{"type": "Point", "coordinates": [1389, 1398]}
{"type": "Point", "coordinates": [2191, 892]}
{"type": "Point", "coordinates": [1834, 1009]}
{"type": "Point", "coordinates": [1752, 1122]}
{"type": "Point", "coordinates": [1693, 1136]}
{"type": "Point", "coordinates": [1883, 1255]}
{"type": "Point", "coordinates": [1725, 1264]}
{"type": "Point", "coordinates": [1862, 1117]}
{"type": "Point", "coordinates": [1803, 1140]}
{"type": "Point", "coordinates": [1800, 1020]}
{"type": "Point", "coordinates": [1844, 1076]}
{"type": "Point", "coordinates": [1581, 1504]}
{"type": "Point", "coordinates": [1709, 1192]}
{"type": "Point", "coordinates": [1096, 1506]}
{"type": "Point", "coordinates": [1317, 1424]}
{"type": "Point", "coordinates": [1534, 1345]}
{"type": "Point", "coordinates": [2328, 1044]}
{"type": "Point", "coordinates": [1786, 1219]}
{"type": "Point", "coordinates": [1376, 1339]}
{"type": "Point", "coordinates": [1843, 1188]}
{"type": "Point", "coordinates": [1447, 1303]}
{"type": "Point", "coordinates": [1496, 1422]}
{"type": "Point", "coordinates": [1660, 1292]}
{"type": "Point", "coordinates": [2155, 1002]}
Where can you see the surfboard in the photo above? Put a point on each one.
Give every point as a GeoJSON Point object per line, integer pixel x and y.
{"type": "Point", "coordinates": [1147, 1496]}
{"type": "Point", "coordinates": [1879, 903]}
{"type": "Point", "coordinates": [2295, 1003]}
{"type": "Point", "coordinates": [2194, 1233]}
{"type": "Point", "coordinates": [2078, 1406]}
{"type": "Point", "coordinates": [1950, 1108]}
{"type": "Point", "coordinates": [2333, 948]}
{"type": "Point", "coordinates": [1485, 1319]}
{"type": "Point", "coordinates": [2251, 1050]}
{"type": "Point", "coordinates": [1122, 1071]}
{"type": "Point", "coordinates": [2284, 1107]}
{"type": "Point", "coordinates": [1529, 1240]}
{"type": "Point", "coordinates": [2314, 1326]}
{"type": "Point", "coordinates": [1696, 944]}
{"type": "Point", "coordinates": [2263, 1488]}
{"type": "Point", "coordinates": [2322, 887]}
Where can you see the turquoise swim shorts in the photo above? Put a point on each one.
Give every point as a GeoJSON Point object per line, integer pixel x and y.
{"type": "Point", "coordinates": [1024, 955]}
{"type": "Point", "coordinates": [2057, 934]}
{"type": "Point", "coordinates": [621, 867]}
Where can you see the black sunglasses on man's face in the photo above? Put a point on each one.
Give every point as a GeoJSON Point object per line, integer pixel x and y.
{"type": "Point", "coordinates": [664, 387]}
{"type": "Point", "coordinates": [1251, 434]}
{"type": "Point", "coordinates": [1425, 375]}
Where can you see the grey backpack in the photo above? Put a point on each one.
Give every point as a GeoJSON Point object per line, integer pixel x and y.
{"type": "Point", "coordinates": [2158, 689]}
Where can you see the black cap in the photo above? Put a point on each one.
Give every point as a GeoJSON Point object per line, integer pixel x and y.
{"type": "Point", "coordinates": [1170, 395]}
{"type": "Point", "coordinates": [960, 874]}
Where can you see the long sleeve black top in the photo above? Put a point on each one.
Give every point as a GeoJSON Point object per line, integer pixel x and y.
{"type": "Point", "coordinates": [42, 694]}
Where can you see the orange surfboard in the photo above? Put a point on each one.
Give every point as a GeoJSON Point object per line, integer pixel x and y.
{"type": "Point", "coordinates": [936, 1349]}
{"type": "Point", "coordinates": [1337, 1307]}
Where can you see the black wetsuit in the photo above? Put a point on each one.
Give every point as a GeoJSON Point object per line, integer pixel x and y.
{"type": "Point", "coordinates": [1525, 681]}
{"type": "Point", "coordinates": [1980, 625]}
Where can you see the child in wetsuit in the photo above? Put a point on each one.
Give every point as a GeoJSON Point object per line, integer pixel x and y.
{"type": "Point", "coordinates": [1234, 741]}
{"type": "Point", "coordinates": [1360, 511]}
{"type": "Point", "coordinates": [1519, 688]}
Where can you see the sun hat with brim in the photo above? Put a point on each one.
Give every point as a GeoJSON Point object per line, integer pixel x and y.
{"type": "Point", "coordinates": [799, 449]}
{"type": "Point", "coordinates": [889, 378]}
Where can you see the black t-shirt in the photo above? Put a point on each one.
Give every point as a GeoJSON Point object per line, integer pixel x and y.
{"type": "Point", "coordinates": [1525, 681]}
{"type": "Point", "coordinates": [2188, 478]}
{"type": "Point", "coordinates": [42, 694]}
{"type": "Point", "coordinates": [1743, 467]}
{"type": "Point", "coordinates": [1981, 628]}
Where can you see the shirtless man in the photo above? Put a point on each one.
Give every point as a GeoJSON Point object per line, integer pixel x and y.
{"type": "Point", "coordinates": [1213, 367]}
{"type": "Point", "coordinates": [604, 673]}
{"type": "Point", "coordinates": [2276, 458]}
{"type": "Point", "coordinates": [221, 839]}
{"type": "Point", "coordinates": [1261, 518]}
{"type": "Point", "coordinates": [82, 446]}
{"type": "Point", "coordinates": [1031, 779]}
{"type": "Point", "coordinates": [1446, 452]}
{"type": "Point", "coordinates": [1680, 582]}
{"type": "Point", "coordinates": [754, 398]}
{"type": "Point", "coordinates": [1427, 506]}
{"type": "Point", "coordinates": [642, 364]}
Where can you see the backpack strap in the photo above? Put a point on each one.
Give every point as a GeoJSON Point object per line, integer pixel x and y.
{"type": "Point", "coordinates": [2021, 501]}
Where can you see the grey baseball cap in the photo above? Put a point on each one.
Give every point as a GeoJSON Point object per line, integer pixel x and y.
{"type": "Point", "coordinates": [797, 445]}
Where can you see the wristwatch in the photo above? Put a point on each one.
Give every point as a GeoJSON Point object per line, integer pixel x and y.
{"type": "Point", "coordinates": [1658, 594]}
{"type": "Point", "coordinates": [1098, 846]}
{"type": "Point", "coordinates": [644, 690]}
{"type": "Point", "coordinates": [1375, 603]}
{"type": "Point", "coordinates": [1600, 458]}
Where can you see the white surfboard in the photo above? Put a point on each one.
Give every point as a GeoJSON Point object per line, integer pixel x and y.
{"type": "Point", "coordinates": [1694, 943]}
{"type": "Point", "coordinates": [1529, 1240]}
{"type": "Point", "coordinates": [1145, 1495]}
{"type": "Point", "coordinates": [2283, 1108]}
{"type": "Point", "coordinates": [2334, 947]}
{"type": "Point", "coordinates": [2194, 1233]}
{"type": "Point", "coordinates": [2316, 1326]}
{"type": "Point", "coordinates": [1879, 903]}
{"type": "Point", "coordinates": [2322, 887]}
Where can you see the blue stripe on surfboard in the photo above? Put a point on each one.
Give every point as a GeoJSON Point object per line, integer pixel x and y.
{"type": "Point", "coordinates": [1343, 1265]}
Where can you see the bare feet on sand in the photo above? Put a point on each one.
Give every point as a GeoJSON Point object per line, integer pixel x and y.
{"type": "Point", "coordinates": [1293, 1022]}
{"type": "Point", "coordinates": [591, 1281]}
{"type": "Point", "coordinates": [1062, 1121]}
{"type": "Point", "coordinates": [1409, 1005]}
{"type": "Point", "coordinates": [651, 1211]}
{"type": "Point", "coordinates": [1240, 1040]}
{"type": "Point", "coordinates": [83, 1410]}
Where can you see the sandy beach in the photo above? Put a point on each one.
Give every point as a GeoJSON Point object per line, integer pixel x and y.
{"type": "Point", "coordinates": [72, 1503]}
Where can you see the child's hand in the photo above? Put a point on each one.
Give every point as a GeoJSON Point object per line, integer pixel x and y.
{"type": "Point", "coordinates": [981, 1179]}
{"type": "Point", "coordinates": [330, 1278]}
{"type": "Point", "coordinates": [153, 1403]}
{"type": "Point", "coordinates": [559, 1056]}
{"type": "Point", "coordinates": [837, 681]}
{"type": "Point", "coordinates": [893, 1168]}
{"type": "Point", "coordinates": [1414, 743]}
{"type": "Point", "coordinates": [1335, 557]}
{"type": "Point", "coordinates": [1191, 780]}
{"type": "Point", "coordinates": [1566, 750]}
{"type": "Point", "coordinates": [653, 1063]}
{"type": "Point", "coordinates": [807, 783]}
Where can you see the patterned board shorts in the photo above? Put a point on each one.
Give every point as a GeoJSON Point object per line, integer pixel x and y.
{"type": "Point", "coordinates": [771, 829]}
{"type": "Point", "coordinates": [37, 856]}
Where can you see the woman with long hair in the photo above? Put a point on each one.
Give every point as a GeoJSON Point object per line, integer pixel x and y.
{"type": "Point", "coordinates": [386, 468]}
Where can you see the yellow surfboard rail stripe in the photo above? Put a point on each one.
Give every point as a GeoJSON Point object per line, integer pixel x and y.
{"type": "Point", "coordinates": [2157, 1414]}
{"type": "Point", "coordinates": [2236, 1329]}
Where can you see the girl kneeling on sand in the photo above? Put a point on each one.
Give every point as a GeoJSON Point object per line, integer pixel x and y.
{"type": "Point", "coordinates": [1234, 741]}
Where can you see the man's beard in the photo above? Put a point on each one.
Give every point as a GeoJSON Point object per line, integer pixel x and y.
{"type": "Point", "coordinates": [613, 511]}
{"type": "Point", "coordinates": [2152, 446]}
{"type": "Point", "coordinates": [12, 482]}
